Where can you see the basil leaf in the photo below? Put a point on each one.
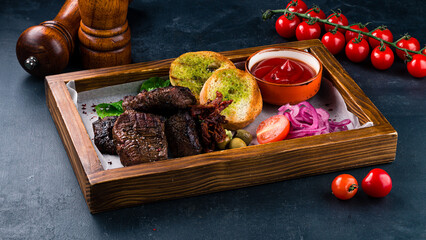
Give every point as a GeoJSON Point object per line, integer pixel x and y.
{"type": "Point", "coordinates": [153, 83]}
{"type": "Point", "coordinates": [109, 109]}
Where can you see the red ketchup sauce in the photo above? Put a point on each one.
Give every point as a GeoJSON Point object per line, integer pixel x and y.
{"type": "Point", "coordinates": [283, 71]}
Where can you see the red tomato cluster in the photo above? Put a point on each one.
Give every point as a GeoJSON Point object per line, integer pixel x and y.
{"type": "Point", "coordinates": [376, 184]}
{"type": "Point", "coordinates": [357, 48]}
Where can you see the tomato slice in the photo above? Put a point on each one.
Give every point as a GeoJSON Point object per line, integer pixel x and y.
{"type": "Point", "coordinates": [273, 129]}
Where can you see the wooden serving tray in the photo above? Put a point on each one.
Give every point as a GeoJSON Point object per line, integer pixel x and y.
{"type": "Point", "coordinates": [220, 170]}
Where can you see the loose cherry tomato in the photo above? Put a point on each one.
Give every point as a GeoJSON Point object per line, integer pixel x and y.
{"type": "Point", "coordinates": [382, 58]}
{"type": "Point", "coordinates": [287, 27]}
{"type": "Point", "coordinates": [383, 33]}
{"type": "Point", "coordinates": [338, 18]}
{"type": "Point", "coordinates": [273, 129]}
{"type": "Point", "coordinates": [377, 183]}
{"type": "Point", "coordinates": [334, 42]}
{"type": "Point", "coordinates": [305, 31]}
{"type": "Point", "coordinates": [409, 43]}
{"type": "Point", "coordinates": [300, 7]}
{"type": "Point", "coordinates": [417, 66]}
{"type": "Point", "coordinates": [357, 51]}
{"type": "Point", "coordinates": [349, 34]}
{"type": "Point", "coordinates": [316, 12]}
{"type": "Point", "coordinates": [344, 186]}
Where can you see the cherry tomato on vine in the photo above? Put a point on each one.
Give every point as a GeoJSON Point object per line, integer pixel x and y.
{"type": "Point", "coordinates": [338, 18]}
{"type": "Point", "coordinates": [382, 58]}
{"type": "Point", "coordinates": [349, 34]}
{"type": "Point", "coordinates": [305, 31]}
{"type": "Point", "coordinates": [300, 7]}
{"type": "Point", "coordinates": [383, 33]}
{"type": "Point", "coordinates": [417, 66]}
{"type": "Point", "coordinates": [316, 12]}
{"type": "Point", "coordinates": [286, 27]}
{"type": "Point", "coordinates": [334, 42]}
{"type": "Point", "coordinates": [424, 51]}
{"type": "Point", "coordinates": [377, 183]}
{"type": "Point", "coordinates": [409, 43]}
{"type": "Point", "coordinates": [357, 51]}
{"type": "Point", "coordinates": [344, 186]}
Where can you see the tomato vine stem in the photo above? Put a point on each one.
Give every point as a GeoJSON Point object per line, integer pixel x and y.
{"type": "Point", "coordinates": [269, 13]}
{"type": "Point", "coordinates": [352, 187]}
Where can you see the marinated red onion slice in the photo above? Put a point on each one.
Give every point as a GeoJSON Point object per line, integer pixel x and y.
{"type": "Point", "coordinates": [305, 120]}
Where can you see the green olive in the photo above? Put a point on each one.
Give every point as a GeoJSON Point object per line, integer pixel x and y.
{"type": "Point", "coordinates": [244, 135]}
{"type": "Point", "coordinates": [236, 143]}
{"type": "Point", "coordinates": [222, 145]}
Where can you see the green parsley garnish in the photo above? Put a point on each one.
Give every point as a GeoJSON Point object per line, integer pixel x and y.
{"type": "Point", "coordinates": [153, 83]}
{"type": "Point", "coordinates": [109, 109]}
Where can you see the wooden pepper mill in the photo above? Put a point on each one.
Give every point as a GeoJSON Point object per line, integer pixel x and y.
{"type": "Point", "coordinates": [45, 49]}
{"type": "Point", "coordinates": [104, 33]}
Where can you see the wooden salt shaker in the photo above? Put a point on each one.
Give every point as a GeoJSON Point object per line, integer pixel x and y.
{"type": "Point", "coordinates": [45, 49]}
{"type": "Point", "coordinates": [104, 33]}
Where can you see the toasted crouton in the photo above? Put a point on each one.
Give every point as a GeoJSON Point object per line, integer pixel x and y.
{"type": "Point", "coordinates": [239, 86]}
{"type": "Point", "coordinates": [192, 69]}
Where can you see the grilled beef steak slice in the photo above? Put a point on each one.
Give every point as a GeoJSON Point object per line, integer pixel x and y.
{"type": "Point", "coordinates": [102, 129]}
{"type": "Point", "coordinates": [165, 101]}
{"type": "Point", "coordinates": [140, 137]}
{"type": "Point", "coordinates": [182, 135]}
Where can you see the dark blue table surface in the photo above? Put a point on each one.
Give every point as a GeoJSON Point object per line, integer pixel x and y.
{"type": "Point", "coordinates": [39, 194]}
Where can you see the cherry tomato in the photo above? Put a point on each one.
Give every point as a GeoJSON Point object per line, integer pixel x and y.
{"type": "Point", "coordinates": [338, 18]}
{"type": "Point", "coordinates": [383, 33]}
{"type": "Point", "coordinates": [357, 51]}
{"type": "Point", "coordinates": [409, 43]}
{"type": "Point", "coordinates": [424, 51]}
{"type": "Point", "coordinates": [305, 31]}
{"type": "Point", "coordinates": [316, 12]}
{"type": "Point", "coordinates": [273, 129]}
{"type": "Point", "coordinates": [300, 7]}
{"type": "Point", "coordinates": [382, 59]}
{"type": "Point", "coordinates": [344, 186]}
{"type": "Point", "coordinates": [334, 42]}
{"type": "Point", "coordinates": [377, 183]}
{"type": "Point", "coordinates": [287, 27]}
{"type": "Point", "coordinates": [349, 34]}
{"type": "Point", "coordinates": [417, 66]}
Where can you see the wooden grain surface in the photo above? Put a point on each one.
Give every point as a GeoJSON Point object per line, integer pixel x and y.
{"type": "Point", "coordinates": [52, 43]}
{"type": "Point", "coordinates": [220, 170]}
{"type": "Point", "coordinates": [104, 33]}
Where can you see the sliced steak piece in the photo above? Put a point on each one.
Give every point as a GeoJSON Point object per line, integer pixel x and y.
{"type": "Point", "coordinates": [102, 129]}
{"type": "Point", "coordinates": [182, 135]}
{"type": "Point", "coordinates": [140, 137]}
{"type": "Point", "coordinates": [165, 101]}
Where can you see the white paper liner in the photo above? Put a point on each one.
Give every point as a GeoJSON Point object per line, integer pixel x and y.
{"type": "Point", "coordinates": [327, 98]}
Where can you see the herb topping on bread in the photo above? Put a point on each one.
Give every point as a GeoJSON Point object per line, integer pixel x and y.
{"type": "Point", "coordinates": [192, 69]}
{"type": "Point", "coordinates": [239, 86]}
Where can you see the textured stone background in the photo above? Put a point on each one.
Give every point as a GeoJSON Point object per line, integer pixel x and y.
{"type": "Point", "coordinates": [39, 194]}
